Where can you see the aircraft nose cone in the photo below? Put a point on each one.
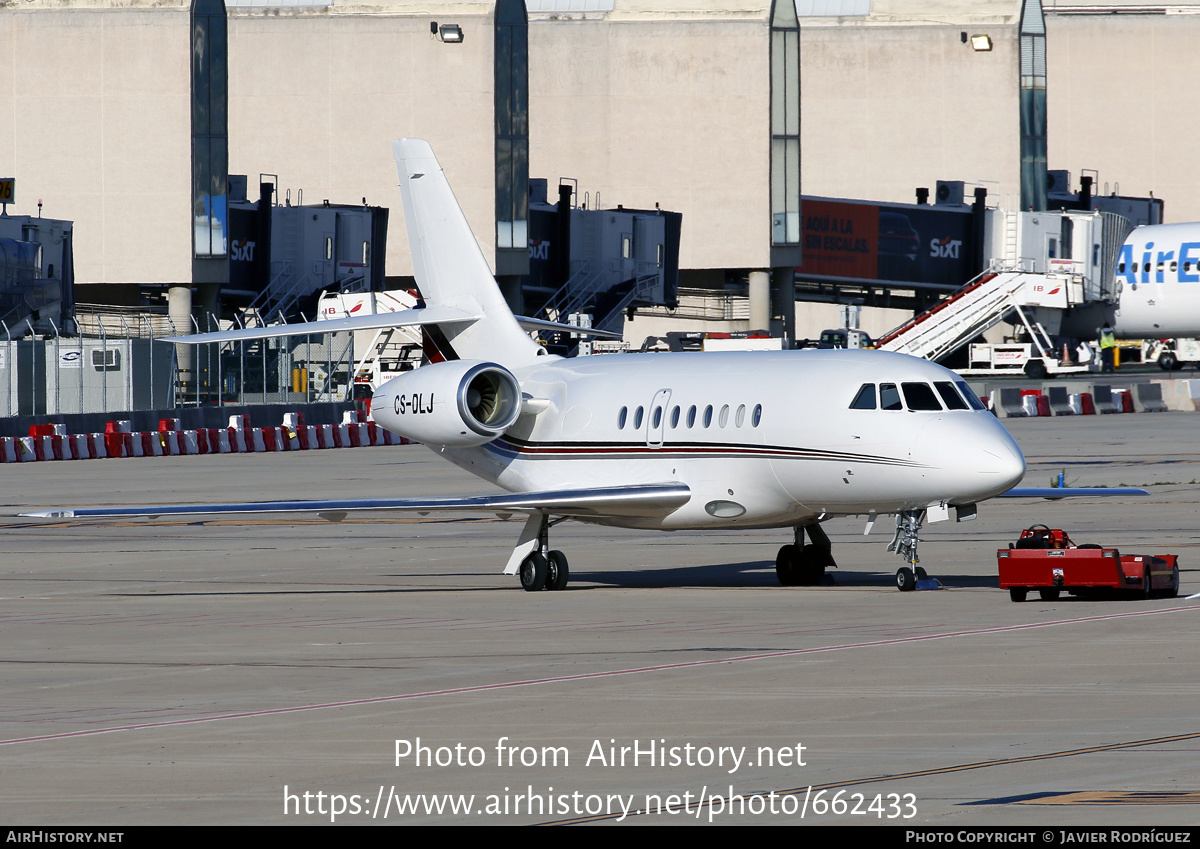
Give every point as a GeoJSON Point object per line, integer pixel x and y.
{"type": "Point", "coordinates": [977, 456]}
{"type": "Point", "coordinates": [1003, 459]}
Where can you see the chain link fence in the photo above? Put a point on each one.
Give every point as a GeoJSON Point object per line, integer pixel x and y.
{"type": "Point", "coordinates": [118, 362]}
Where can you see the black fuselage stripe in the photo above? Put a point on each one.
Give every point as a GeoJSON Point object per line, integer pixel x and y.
{"type": "Point", "coordinates": [619, 449]}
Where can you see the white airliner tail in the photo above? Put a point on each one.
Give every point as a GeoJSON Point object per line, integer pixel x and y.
{"type": "Point", "coordinates": [450, 268]}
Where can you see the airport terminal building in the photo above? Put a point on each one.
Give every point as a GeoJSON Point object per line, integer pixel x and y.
{"type": "Point", "coordinates": [129, 117]}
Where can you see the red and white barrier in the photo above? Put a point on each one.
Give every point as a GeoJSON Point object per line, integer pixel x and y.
{"type": "Point", "coordinates": [52, 442]}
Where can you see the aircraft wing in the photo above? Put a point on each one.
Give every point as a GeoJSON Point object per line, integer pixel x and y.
{"type": "Point", "coordinates": [1070, 491]}
{"type": "Point", "coordinates": [640, 500]}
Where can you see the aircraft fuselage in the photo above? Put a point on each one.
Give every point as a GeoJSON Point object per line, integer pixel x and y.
{"type": "Point", "coordinates": [762, 439]}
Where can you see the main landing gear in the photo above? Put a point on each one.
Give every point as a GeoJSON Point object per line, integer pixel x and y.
{"type": "Point", "coordinates": [541, 568]}
{"type": "Point", "coordinates": [904, 543]}
{"type": "Point", "coordinates": [803, 565]}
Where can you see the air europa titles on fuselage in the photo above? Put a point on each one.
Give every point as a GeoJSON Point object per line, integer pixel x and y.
{"type": "Point", "coordinates": [832, 233]}
{"type": "Point", "coordinates": [418, 403]}
{"type": "Point", "coordinates": [1159, 266]}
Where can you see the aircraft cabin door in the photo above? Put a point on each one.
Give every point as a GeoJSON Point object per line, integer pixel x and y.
{"type": "Point", "coordinates": [656, 421]}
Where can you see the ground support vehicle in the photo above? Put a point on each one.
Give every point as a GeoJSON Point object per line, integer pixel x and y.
{"type": "Point", "coordinates": [1045, 559]}
{"type": "Point", "coordinates": [1171, 354]}
{"type": "Point", "coordinates": [1016, 358]}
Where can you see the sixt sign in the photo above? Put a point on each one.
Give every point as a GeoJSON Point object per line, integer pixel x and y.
{"type": "Point", "coordinates": [946, 248]}
{"type": "Point", "coordinates": [241, 250]}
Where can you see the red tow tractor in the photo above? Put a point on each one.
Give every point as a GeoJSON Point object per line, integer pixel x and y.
{"type": "Point", "coordinates": [1045, 559]}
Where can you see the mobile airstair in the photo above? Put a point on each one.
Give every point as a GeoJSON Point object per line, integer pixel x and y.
{"type": "Point", "coordinates": [980, 305]}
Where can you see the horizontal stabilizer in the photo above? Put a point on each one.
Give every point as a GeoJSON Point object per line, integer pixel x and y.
{"type": "Point", "coordinates": [1070, 491]}
{"type": "Point", "coordinates": [640, 500]}
{"type": "Point", "coordinates": [378, 321]}
{"type": "Point", "coordinates": [528, 323]}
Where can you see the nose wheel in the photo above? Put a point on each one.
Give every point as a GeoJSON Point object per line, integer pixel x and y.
{"type": "Point", "coordinates": [906, 578]}
{"type": "Point", "coordinates": [904, 543]}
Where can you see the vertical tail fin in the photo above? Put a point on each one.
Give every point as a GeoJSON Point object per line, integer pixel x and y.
{"type": "Point", "coordinates": [449, 266]}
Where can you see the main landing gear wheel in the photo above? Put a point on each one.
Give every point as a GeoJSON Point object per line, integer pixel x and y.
{"type": "Point", "coordinates": [802, 565]}
{"type": "Point", "coordinates": [542, 568]}
{"type": "Point", "coordinates": [533, 573]}
{"type": "Point", "coordinates": [786, 568]}
{"type": "Point", "coordinates": [906, 579]}
{"type": "Point", "coordinates": [813, 562]}
{"type": "Point", "coordinates": [557, 573]}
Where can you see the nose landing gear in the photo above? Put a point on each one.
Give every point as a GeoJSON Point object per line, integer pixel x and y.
{"type": "Point", "coordinates": [904, 543]}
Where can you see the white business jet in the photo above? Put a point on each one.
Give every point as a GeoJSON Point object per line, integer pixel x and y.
{"type": "Point", "coordinates": [784, 439]}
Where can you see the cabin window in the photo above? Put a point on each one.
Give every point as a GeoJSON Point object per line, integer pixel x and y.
{"type": "Point", "coordinates": [740, 419]}
{"type": "Point", "coordinates": [657, 416]}
{"type": "Point", "coordinates": [865, 399]}
{"type": "Point", "coordinates": [970, 395]}
{"type": "Point", "coordinates": [708, 415]}
{"type": "Point", "coordinates": [1174, 266]}
{"type": "Point", "coordinates": [950, 398]}
{"type": "Point", "coordinates": [691, 419]}
{"type": "Point", "coordinates": [757, 417]}
{"type": "Point", "coordinates": [675, 417]}
{"type": "Point", "coordinates": [920, 397]}
{"type": "Point", "coordinates": [621, 417]}
{"type": "Point", "coordinates": [637, 418]}
{"type": "Point", "coordinates": [889, 397]}
{"type": "Point", "coordinates": [1121, 268]}
{"type": "Point", "coordinates": [724, 420]}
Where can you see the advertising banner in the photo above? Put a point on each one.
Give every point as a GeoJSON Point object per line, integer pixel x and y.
{"type": "Point", "coordinates": [902, 243]}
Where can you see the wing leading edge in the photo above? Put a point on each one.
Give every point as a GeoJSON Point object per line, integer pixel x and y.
{"type": "Point", "coordinates": [641, 500]}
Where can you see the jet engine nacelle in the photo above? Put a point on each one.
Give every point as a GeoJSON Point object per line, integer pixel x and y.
{"type": "Point", "coordinates": [456, 403]}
